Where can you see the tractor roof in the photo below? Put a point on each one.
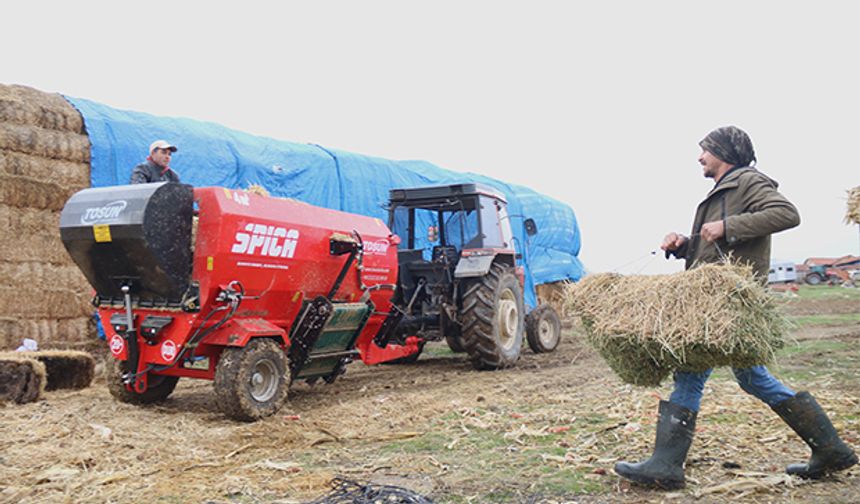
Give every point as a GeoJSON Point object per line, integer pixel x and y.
{"type": "Point", "coordinates": [441, 194]}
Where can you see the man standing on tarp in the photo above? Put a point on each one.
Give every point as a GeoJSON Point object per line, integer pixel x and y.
{"type": "Point", "coordinates": [156, 168]}
{"type": "Point", "coordinates": [736, 218]}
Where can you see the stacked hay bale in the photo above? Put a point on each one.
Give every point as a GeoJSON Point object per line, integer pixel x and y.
{"type": "Point", "coordinates": [647, 326]}
{"type": "Point", "coordinates": [44, 159]}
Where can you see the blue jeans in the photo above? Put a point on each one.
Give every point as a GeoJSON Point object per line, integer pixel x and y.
{"type": "Point", "coordinates": [756, 381]}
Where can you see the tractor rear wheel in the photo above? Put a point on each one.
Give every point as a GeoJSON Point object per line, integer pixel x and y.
{"type": "Point", "coordinates": [493, 320]}
{"type": "Point", "coordinates": [453, 335]}
{"type": "Point", "coordinates": [158, 387]}
{"type": "Point", "coordinates": [543, 329]}
{"type": "Point", "coordinates": [252, 382]}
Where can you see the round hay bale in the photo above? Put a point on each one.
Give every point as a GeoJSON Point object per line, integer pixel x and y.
{"type": "Point", "coordinates": [45, 143]}
{"type": "Point", "coordinates": [49, 110]}
{"type": "Point", "coordinates": [22, 191]}
{"type": "Point", "coordinates": [711, 316]}
{"type": "Point", "coordinates": [22, 380]}
{"type": "Point", "coordinates": [67, 174]}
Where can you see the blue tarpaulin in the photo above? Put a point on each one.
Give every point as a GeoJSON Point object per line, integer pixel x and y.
{"type": "Point", "coordinates": [213, 155]}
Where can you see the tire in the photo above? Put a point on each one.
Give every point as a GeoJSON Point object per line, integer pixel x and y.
{"type": "Point", "coordinates": [159, 387]}
{"type": "Point", "coordinates": [493, 319]}
{"type": "Point", "coordinates": [452, 335]}
{"type": "Point", "coordinates": [813, 279]}
{"type": "Point", "coordinates": [252, 382]}
{"type": "Point", "coordinates": [543, 329]}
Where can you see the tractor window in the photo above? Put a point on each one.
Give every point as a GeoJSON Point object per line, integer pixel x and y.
{"type": "Point", "coordinates": [461, 229]}
{"type": "Point", "coordinates": [490, 224]}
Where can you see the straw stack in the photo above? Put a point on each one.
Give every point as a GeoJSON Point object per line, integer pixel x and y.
{"type": "Point", "coordinates": [647, 326]}
{"type": "Point", "coordinates": [44, 159]}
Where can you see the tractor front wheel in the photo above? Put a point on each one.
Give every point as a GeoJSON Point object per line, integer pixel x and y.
{"type": "Point", "coordinates": [252, 382]}
{"type": "Point", "coordinates": [543, 329]}
{"type": "Point", "coordinates": [158, 387]}
{"type": "Point", "coordinates": [493, 320]}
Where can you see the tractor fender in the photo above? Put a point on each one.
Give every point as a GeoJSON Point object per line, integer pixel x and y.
{"type": "Point", "coordinates": [238, 332]}
{"type": "Point", "coordinates": [473, 266]}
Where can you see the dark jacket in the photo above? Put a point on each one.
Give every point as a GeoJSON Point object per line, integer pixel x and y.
{"type": "Point", "coordinates": [751, 208]}
{"type": "Point", "coordinates": [147, 172]}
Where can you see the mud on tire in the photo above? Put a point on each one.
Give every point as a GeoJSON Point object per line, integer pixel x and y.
{"type": "Point", "coordinates": [252, 382]}
{"type": "Point", "coordinates": [543, 329]}
{"type": "Point", "coordinates": [493, 320]}
{"type": "Point", "coordinates": [159, 387]}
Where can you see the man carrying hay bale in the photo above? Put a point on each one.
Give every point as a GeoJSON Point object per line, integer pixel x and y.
{"type": "Point", "coordinates": [735, 219]}
{"type": "Point", "coordinates": [157, 165]}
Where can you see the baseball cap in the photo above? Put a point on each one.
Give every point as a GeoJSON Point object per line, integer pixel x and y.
{"type": "Point", "coordinates": [162, 144]}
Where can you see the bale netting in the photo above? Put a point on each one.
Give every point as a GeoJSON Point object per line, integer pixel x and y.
{"type": "Point", "coordinates": [647, 326]}
{"type": "Point", "coordinates": [852, 214]}
{"type": "Point", "coordinates": [65, 369]}
{"type": "Point", "coordinates": [22, 380]}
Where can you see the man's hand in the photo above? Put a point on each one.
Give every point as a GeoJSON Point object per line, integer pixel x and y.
{"type": "Point", "coordinates": [673, 241]}
{"type": "Point", "coordinates": [713, 231]}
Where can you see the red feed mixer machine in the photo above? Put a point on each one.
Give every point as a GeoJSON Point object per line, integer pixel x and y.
{"type": "Point", "coordinates": [249, 291]}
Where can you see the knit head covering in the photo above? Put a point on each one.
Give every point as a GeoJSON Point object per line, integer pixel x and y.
{"type": "Point", "coordinates": [730, 144]}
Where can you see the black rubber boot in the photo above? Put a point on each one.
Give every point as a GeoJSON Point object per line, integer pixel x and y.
{"type": "Point", "coordinates": [665, 468]}
{"type": "Point", "coordinates": [829, 454]}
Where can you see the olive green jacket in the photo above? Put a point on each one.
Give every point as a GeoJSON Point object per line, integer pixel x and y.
{"type": "Point", "coordinates": [751, 208]}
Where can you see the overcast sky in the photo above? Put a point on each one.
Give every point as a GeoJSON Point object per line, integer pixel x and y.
{"type": "Point", "coordinates": [597, 104]}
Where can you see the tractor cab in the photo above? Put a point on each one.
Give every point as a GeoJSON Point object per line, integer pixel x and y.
{"type": "Point", "coordinates": [448, 232]}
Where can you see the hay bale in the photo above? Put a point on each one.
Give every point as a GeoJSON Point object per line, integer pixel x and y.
{"type": "Point", "coordinates": [45, 110]}
{"type": "Point", "coordinates": [647, 326]}
{"type": "Point", "coordinates": [65, 369]}
{"type": "Point", "coordinates": [25, 113]}
{"type": "Point", "coordinates": [22, 191]}
{"type": "Point", "coordinates": [67, 174]}
{"type": "Point", "coordinates": [22, 380]}
{"type": "Point", "coordinates": [852, 214]}
{"type": "Point", "coordinates": [37, 236]}
{"type": "Point", "coordinates": [45, 301]}
{"type": "Point", "coordinates": [35, 273]}
{"type": "Point", "coordinates": [45, 143]}
{"type": "Point", "coordinates": [45, 330]}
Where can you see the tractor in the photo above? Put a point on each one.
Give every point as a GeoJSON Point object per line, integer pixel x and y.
{"type": "Point", "coordinates": [255, 293]}
{"type": "Point", "coordinates": [460, 281]}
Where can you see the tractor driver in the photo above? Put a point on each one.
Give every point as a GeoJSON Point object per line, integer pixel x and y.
{"type": "Point", "coordinates": [156, 168]}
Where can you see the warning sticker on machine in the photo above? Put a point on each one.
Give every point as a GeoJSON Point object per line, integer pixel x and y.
{"type": "Point", "coordinates": [168, 351]}
{"type": "Point", "coordinates": [101, 232]}
{"type": "Point", "coordinates": [116, 345]}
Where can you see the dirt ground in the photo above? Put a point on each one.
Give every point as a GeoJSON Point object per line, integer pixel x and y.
{"type": "Point", "coordinates": [549, 430]}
